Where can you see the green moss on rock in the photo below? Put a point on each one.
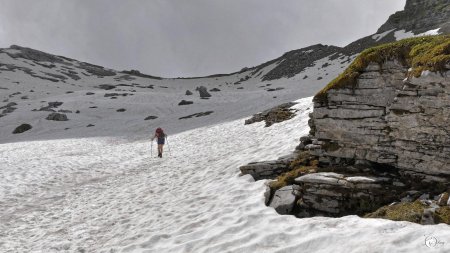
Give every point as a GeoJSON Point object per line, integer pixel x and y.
{"type": "Point", "coordinates": [303, 164]}
{"type": "Point", "coordinates": [411, 212]}
{"type": "Point", "coordinates": [421, 53]}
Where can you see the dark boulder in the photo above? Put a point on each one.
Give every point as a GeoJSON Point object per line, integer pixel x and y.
{"type": "Point", "coordinates": [203, 92]}
{"type": "Point", "coordinates": [184, 102]}
{"type": "Point", "coordinates": [57, 117]}
{"type": "Point", "coordinates": [151, 117]}
{"type": "Point", "coordinates": [22, 128]}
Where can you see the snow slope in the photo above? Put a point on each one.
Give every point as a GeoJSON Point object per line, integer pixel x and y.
{"type": "Point", "coordinates": [241, 94]}
{"type": "Point", "coordinates": [110, 195]}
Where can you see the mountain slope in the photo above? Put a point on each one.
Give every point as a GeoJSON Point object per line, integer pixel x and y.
{"type": "Point", "coordinates": [35, 84]}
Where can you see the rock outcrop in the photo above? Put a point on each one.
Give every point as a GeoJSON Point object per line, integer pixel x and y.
{"type": "Point", "coordinates": [389, 119]}
{"type": "Point", "coordinates": [385, 121]}
{"type": "Point", "coordinates": [420, 16]}
{"type": "Point", "coordinates": [335, 194]}
{"type": "Point", "coordinates": [273, 115]}
{"type": "Point", "coordinates": [380, 134]}
{"type": "Point", "coordinates": [268, 169]}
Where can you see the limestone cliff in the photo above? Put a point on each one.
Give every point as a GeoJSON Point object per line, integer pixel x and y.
{"type": "Point", "coordinates": [386, 112]}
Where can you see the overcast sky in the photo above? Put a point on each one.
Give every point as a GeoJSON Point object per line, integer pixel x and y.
{"type": "Point", "coordinates": [174, 38]}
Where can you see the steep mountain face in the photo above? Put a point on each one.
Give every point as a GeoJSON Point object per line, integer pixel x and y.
{"type": "Point", "coordinates": [420, 16]}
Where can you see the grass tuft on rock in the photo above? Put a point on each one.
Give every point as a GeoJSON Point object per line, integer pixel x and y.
{"type": "Point", "coordinates": [421, 53]}
{"type": "Point", "coordinates": [443, 215]}
{"type": "Point", "coordinates": [411, 212]}
{"type": "Point", "coordinates": [303, 164]}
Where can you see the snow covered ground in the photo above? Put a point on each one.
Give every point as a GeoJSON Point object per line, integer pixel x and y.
{"type": "Point", "coordinates": [110, 195]}
{"type": "Point", "coordinates": [122, 110]}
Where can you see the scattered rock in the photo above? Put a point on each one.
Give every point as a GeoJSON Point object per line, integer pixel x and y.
{"type": "Point", "coordinates": [214, 90]}
{"type": "Point", "coordinates": [188, 93]}
{"type": "Point", "coordinates": [151, 117]}
{"type": "Point", "coordinates": [184, 102]}
{"type": "Point", "coordinates": [50, 107]}
{"type": "Point", "coordinates": [200, 114]}
{"type": "Point", "coordinates": [106, 86]}
{"type": "Point", "coordinates": [121, 110]}
{"type": "Point", "coordinates": [9, 108]}
{"type": "Point", "coordinates": [90, 125]}
{"type": "Point", "coordinates": [115, 94]}
{"type": "Point", "coordinates": [276, 89]}
{"type": "Point", "coordinates": [203, 92]}
{"type": "Point", "coordinates": [90, 93]}
{"type": "Point", "coordinates": [274, 115]}
{"type": "Point", "coordinates": [96, 70]}
{"type": "Point", "coordinates": [22, 128]}
{"type": "Point", "coordinates": [57, 117]}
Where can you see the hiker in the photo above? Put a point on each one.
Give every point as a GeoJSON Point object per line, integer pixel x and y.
{"type": "Point", "coordinates": [160, 139]}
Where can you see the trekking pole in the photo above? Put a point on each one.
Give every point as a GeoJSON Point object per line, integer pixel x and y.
{"type": "Point", "coordinates": [168, 145]}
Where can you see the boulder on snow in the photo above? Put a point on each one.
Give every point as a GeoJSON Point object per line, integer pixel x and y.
{"type": "Point", "coordinates": [184, 102]}
{"type": "Point", "coordinates": [22, 128]}
{"type": "Point", "coordinates": [203, 92]}
{"type": "Point", "coordinates": [106, 86]}
{"type": "Point", "coordinates": [283, 200]}
{"type": "Point", "coordinates": [57, 117]}
{"type": "Point", "coordinates": [188, 93]}
{"type": "Point", "coordinates": [151, 117]}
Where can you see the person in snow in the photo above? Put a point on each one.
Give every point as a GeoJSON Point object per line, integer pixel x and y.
{"type": "Point", "coordinates": [160, 139]}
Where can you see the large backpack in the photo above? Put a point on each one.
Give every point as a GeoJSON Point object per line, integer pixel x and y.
{"type": "Point", "coordinates": [161, 135]}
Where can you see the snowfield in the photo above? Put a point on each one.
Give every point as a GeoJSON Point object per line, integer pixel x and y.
{"type": "Point", "coordinates": [110, 195]}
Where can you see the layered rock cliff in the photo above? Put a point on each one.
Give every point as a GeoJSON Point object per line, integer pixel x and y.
{"type": "Point", "coordinates": [390, 114]}
{"type": "Point", "coordinates": [380, 134]}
